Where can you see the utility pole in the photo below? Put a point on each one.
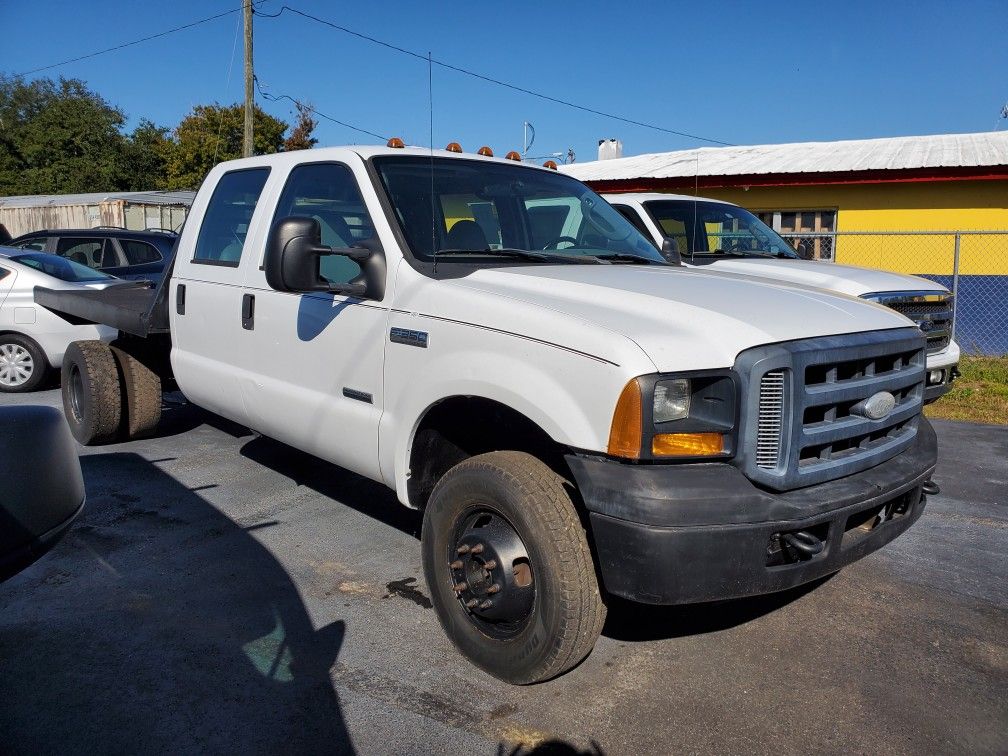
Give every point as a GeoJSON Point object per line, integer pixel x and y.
{"type": "Point", "coordinates": [249, 97]}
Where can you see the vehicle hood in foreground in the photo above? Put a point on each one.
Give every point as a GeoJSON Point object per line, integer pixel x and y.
{"type": "Point", "coordinates": [681, 318]}
{"type": "Point", "coordinates": [846, 279]}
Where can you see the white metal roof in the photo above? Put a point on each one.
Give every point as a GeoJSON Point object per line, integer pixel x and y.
{"type": "Point", "coordinates": [891, 153]}
{"type": "Point", "coordinates": [93, 198]}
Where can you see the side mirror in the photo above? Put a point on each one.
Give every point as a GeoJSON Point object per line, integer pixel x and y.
{"type": "Point", "coordinates": [670, 251]}
{"type": "Point", "coordinates": [293, 253]}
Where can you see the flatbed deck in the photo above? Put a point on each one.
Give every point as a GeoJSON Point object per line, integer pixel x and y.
{"type": "Point", "coordinates": [140, 310]}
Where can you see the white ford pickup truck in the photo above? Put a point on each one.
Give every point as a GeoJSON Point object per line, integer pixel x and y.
{"type": "Point", "coordinates": [576, 417]}
{"type": "Point", "coordinates": [726, 237]}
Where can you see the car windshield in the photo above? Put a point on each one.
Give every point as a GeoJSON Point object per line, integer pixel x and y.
{"type": "Point", "coordinates": [480, 210]}
{"type": "Point", "coordinates": [61, 268]}
{"type": "Point", "coordinates": [708, 229]}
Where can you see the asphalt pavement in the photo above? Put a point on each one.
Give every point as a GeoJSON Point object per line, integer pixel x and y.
{"type": "Point", "coordinates": [225, 593]}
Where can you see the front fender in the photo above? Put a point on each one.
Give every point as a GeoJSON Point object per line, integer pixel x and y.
{"type": "Point", "coordinates": [571, 396]}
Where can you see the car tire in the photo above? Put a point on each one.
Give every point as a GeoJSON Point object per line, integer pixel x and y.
{"type": "Point", "coordinates": [23, 364]}
{"type": "Point", "coordinates": [504, 519]}
{"type": "Point", "coordinates": [92, 392]}
{"type": "Point", "coordinates": [141, 395]}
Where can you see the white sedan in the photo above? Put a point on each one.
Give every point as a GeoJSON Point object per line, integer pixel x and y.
{"type": "Point", "coordinates": [33, 339]}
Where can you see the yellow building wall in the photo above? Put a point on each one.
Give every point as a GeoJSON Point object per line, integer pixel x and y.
{"type": "Point", "coordinates": [919, 206]}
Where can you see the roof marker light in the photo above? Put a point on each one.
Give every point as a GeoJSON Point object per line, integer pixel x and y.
{"type": "Point", "coordinates": [550, 164]}
{"type": "Point", "coordinates": [513, 155]}
{"type": "Point", "coordinates": [485, 151]}
{"type": "Point", "coordinates": [395, 143]}
{"type": "Point", "coordinates": [454, 147]}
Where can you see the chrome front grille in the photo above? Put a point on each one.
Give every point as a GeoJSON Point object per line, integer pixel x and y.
{"type": "Point", "coordinates": [771, 421]}
{"type": "Point", "coordinates": [805, 420]}
{"type": "Point", "coordinates": [931, 311]}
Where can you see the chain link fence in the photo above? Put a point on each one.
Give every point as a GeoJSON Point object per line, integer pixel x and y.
{"type": "Point", "coordinates": [971, 264]}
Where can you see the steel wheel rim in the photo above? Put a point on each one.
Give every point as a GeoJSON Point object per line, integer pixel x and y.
{"type": "Point", "coordinates": [76, 391]}
{"type": "Point", "coordinates": [16, 365]}
{"type": "Point", "coordinates": [491, 572]}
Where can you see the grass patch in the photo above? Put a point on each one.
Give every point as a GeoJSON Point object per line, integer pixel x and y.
{"type": "Point", "coordinates": [979, 396]}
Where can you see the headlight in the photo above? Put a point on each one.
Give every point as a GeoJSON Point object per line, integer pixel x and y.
{"type": "Point", "coordinates": [676, 416]}
{"type": "Point", "coordinates": [671, 400]}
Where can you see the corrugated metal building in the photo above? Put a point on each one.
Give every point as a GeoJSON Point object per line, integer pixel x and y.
{"type": "Point", "coordinates": [956, 182]}
{"type": "Point", "coordinates": [134, 210]}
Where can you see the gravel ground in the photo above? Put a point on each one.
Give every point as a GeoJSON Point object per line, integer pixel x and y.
{"type": "Point", "coordinates": [223, 592]}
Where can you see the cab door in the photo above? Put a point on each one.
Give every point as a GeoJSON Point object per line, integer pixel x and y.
{"type": "Point", "coordinates": [209, 345]}
{"type": "Point", "coordinates": [314, 375]}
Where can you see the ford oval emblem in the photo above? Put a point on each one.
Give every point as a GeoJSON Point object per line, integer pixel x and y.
{"type": "Point", "coordinates": [877, 406]}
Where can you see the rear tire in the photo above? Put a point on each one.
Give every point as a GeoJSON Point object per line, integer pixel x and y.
{"type": "Point", "coordinates": [141, 395]}
{"type": "Point", "coordinates": [92, 392]}
{"type": "Point", "coordinates": [509, 509]}
{"type": "Point", "coordinates": [23, 364]}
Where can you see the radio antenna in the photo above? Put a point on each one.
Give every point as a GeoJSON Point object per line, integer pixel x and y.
{"type": "Point", "coordinates": [430, 111]}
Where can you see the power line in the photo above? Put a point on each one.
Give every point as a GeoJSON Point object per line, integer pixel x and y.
{"type": "Point", "coordinates": [130, 44]}
{"type": "Point", "coordinates": [276, 98]}
{"type": "Point", "coordinates": [489, 79]}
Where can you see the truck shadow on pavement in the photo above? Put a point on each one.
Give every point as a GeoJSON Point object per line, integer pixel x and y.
{"type": "Point", "coordinates": [350, 489]}
{"type": "Point", "coordinates": [627, 621]}
{"type": "Point", "coordinates": [161, 625]}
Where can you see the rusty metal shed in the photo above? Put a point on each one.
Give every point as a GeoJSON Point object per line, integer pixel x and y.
{"type": "Point", "coordinates": [133, 210]}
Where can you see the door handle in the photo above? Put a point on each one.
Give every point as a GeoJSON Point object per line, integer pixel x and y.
{"type": "Point", "coordinates": [248, 311]}
{"type": "Point", "coordinates": [180, 299]}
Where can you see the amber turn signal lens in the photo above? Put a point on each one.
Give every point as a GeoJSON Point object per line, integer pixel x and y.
{"type": "Point", "coordinates": [485, 151]}
{"type": "Point", "coordinates": [454, 147]}
{"type": "Point", "coordinates": [550, 164]}
{"type": "Point", "coordinates": [625, 433]}
{"type": "Point", "coordinates": [687, 444]}
{"type": "Point", "coordinates": [395, 142]}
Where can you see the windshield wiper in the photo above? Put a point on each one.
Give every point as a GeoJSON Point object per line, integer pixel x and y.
{"type": "Point", "coordinates": [520, 254]}
{"type": "Point", "coordinates": [627, 257]}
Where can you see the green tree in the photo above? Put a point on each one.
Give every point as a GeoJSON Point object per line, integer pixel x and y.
{"type": "Point", "coordinates": [213, 133]}
{"type": "Point", "coordinates": [148, 150]}
{"type": "Point", "coordinates": [59, 137]}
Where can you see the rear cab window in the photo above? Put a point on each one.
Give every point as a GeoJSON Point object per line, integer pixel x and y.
{"type": "Point", "coordinates": [228, 215]}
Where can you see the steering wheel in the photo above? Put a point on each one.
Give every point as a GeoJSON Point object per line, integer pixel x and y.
{"type": "Point", "coordinates": [559, 239]}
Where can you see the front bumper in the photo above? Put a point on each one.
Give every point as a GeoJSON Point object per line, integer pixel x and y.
{"type": "Point", "coordinates": [673, 534]}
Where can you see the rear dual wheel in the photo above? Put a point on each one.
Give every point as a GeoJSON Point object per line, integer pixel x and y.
{"type": "Point", "coordinates": [108, 395]}
{"type": "Point", "coordinates": [509, 569]}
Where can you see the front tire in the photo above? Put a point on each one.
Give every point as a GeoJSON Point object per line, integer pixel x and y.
{"type": "Point", "coordinates": [509, 569]}
{"type": "Point", "coordinates": [23, 364]}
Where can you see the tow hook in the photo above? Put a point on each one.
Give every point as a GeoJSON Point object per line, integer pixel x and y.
{"type": "Point", "coordinates": [930, 488]}
{"type": "Point", "coordinates": [803, 544]}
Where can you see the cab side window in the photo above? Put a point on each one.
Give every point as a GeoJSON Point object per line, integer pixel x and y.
{"type": "Point", "coordinates": [328, 193]}
{"type": "Point", "coordinates": [226, 221]}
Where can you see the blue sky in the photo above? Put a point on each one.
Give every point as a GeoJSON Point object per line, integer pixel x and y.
{"type": "Point", "coordinates": [745, 73]}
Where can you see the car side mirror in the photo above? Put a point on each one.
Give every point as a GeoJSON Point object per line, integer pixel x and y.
{"type": "Point", "coordinates": [670, 251]}
{"type": "Point", "coordinates": [294, 250]}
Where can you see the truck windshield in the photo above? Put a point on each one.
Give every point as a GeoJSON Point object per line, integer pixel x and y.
{"type": "Point", "coordinates": [451, 208]}
{"type": "Point", "coordinates": [61, 268]}
{"type": "Point", "coordinates": [707, 229]}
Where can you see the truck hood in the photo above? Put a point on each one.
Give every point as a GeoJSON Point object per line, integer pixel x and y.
{"type": "Point", "coordinates": [846, 279]}
{"type": "Point", "coordinates": [681, 318]}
